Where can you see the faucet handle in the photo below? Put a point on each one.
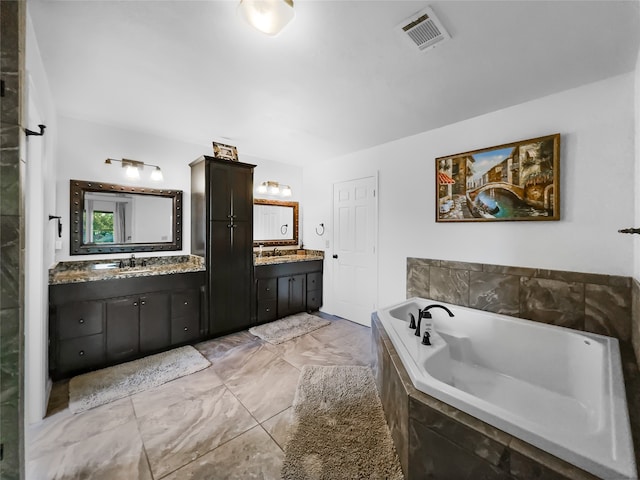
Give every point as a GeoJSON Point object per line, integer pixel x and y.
{"type": "Point", "coordinates": [412, 321]}
{"type": "Point", "coordinates": [426, 338]}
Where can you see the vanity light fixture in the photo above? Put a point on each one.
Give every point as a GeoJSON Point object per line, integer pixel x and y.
{"type": "Point", "coordinates": [267, 16]}
{"type": "Point", "coordinates": [274, 188]}
{"type": "Point", "coordinates": [133, 168]}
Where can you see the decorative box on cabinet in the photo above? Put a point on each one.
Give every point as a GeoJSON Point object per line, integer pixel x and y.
{"type": "Point", "coordinates": [96, 324]}
{"type": "Point", "coordinates": [286, 288]}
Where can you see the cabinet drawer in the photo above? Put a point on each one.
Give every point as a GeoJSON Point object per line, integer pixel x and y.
{"type": "Point", "coordinates": [267, 310]}
{"type": "Point", "coordinates": [314, 299]}
{"type": "Point", "coordinates": [81, 353]}
{"type": "Point", "coordinates": [79, 319]}
{"type": "Point", "coordinates": [186, 303]}
{"type": "Point", "coordinates": [267, 289]}
{"type": "Point", "coordinates": [314, 280]}
{"type": "Point", "coordinates": [185, 329]}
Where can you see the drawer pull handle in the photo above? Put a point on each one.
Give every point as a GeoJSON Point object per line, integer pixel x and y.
{"type": "Point", "coordinates": [81, 353]}
{"type": "Point", "coordinates": [81, 320]}
{"type": "Point", "coordinates": [185, 329]}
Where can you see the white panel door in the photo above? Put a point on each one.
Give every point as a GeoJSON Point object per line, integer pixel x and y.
{"type": "Point", "coordinates": [355, 263]}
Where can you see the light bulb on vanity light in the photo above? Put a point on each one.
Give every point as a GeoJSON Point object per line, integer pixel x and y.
{"type": "Point", "coordinates": [156, 175]}
{"type": "Point", "coordinates": [132, 172]}
{"type": "Point", "coordinates": [262, 188]}
{"type": "Point", "coordinates": [286, 191]}
{"type": "Point", "coordinates": [274, 188]}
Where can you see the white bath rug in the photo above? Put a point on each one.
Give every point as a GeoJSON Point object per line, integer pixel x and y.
{"type": "Point", "coordinates": [93, 389]}
{"type": "Point", "coordinates": [289, 327]}
{"type": "Point", "coordinates": [338, 428]}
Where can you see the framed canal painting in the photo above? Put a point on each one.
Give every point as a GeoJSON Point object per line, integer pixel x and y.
{"type": "Point", "coordinates": [514, 181]}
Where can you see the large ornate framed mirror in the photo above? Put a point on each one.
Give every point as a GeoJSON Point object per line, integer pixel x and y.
{"type": "Point", "coordinates": [108, 218]}
{"type": "Point", "coordinates": [275, 223]}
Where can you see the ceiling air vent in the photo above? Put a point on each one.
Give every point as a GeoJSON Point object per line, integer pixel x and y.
{"type": "Point", "coordinates": [423, 30]}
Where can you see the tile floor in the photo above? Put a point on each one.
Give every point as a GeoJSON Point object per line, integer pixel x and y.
{"type": "Point", "coordinates": [225, 422]}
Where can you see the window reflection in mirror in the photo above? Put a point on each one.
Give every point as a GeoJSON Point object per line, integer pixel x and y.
{"type": "Point", "coordinates": [275, 222]}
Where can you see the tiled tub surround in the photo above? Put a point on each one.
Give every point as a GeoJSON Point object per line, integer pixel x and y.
{"type": "Point", "coordinates": [435, 440]}
{"type": "Point", "coordinates": [582, 301]}
{"type": "Point", "coordinates": [563, 392]}
{"type": "Point", "coordinates": [88, 271]}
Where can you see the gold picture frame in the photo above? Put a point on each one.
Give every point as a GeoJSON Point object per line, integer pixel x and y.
{"type": "Point", "coordinates": [511, 182]}
{"type": "Point", "coordinates": [226, 152]}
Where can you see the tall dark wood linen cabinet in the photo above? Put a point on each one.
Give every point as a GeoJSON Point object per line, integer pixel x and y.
{"type": "Point", "coordinates": [222, 232]}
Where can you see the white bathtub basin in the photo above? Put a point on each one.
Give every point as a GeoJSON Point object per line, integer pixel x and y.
{"type": "Point", "coordinates": [558, 389]}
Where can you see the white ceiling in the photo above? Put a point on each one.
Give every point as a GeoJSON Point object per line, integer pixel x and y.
{"type": "Point", "coordinates": [338, 79]}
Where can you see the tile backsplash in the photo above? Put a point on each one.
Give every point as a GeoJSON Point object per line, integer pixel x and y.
{"type": "Point", "coordinates": [583, 301]}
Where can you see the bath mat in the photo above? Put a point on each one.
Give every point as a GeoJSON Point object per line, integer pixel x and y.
{"type": "Point", "coordinates": [289, 327]}
{"type": "Point", "coordinates": [108, 384]}
{"type": "Point", "coordinates": [339, 429]}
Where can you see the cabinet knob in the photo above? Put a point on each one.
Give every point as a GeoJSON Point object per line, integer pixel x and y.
{"type": "Point", "coordinates": [81, 353]}
{"type": "Point", "coordinates": [268, 289]}
{"type": "Point", "coordinates": [142, 303]}
{"type": "Point", "coordinates": [135, 304]}
{"type": "Point", "coordinates": [186, 303]}
{"type": "Point", "coordinates": [81, 320]}
{"type": "Point", "coordinates": [185, 329]}
{"type": "Point", "coordinates": [268, 309]}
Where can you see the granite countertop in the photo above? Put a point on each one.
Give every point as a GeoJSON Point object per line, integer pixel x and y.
{"type": "Point", "coordinates": [270, 259]}
{"type": "Point", "coordinates": [90, 271]}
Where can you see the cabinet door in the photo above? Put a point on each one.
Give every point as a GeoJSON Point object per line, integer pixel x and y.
{"type": "Point", "coordinates": [155, 321]}
{"type": "Point", "coordinates": [291, 294]}
{"type": "Point", "coordinates": [230, 277]}
{"type": "Point", "coordinates": [122, 328]}
{"type": "Point", "coordinates": [231, 191]}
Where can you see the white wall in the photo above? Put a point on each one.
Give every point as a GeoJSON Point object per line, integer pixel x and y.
{"type": "Point", "coordinates": [597, 190]}
{"type": "Point", "coordinates": [40, 232]}
{"type": "Point", "coordinates": [84, 146]}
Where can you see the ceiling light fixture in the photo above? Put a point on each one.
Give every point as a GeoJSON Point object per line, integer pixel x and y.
{"type": "Point", "coordinates": [267, 16]}
{"type": "Point", "coordinates": [274, 188]}
{"type": "Point", "coordinates": [133, 168]}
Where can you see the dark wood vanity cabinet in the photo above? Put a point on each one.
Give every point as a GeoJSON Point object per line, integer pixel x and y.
{"type": "Point", "coordinates": [286, 288]}
{"type": "Point", "coordinates": [222, 232]}
{"type": "Point", "coordinates": [96, 324]}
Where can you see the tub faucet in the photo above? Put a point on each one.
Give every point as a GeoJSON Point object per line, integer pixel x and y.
{"type": "Point", "coordinates": [424, 313]}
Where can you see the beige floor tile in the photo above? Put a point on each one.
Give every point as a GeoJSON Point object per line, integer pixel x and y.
{"type": "Point", "coordinates": [114, 454]}
{"type": "Point", "coordinates": [178, 434]}
{"type": "Point", "coordinates": [278, 426]}
{"type": "Point", "coordinates": [265, 384]}
{"type": "Point", "coordinates": [65, 428]}
{"type": "Point", "coordinates": [251, 455]}
{"type": "Point", "coordinates": [181, 389]}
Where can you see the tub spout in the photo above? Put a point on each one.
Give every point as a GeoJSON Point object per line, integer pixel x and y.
{"type": "Point", "coordinates": [424, 313]}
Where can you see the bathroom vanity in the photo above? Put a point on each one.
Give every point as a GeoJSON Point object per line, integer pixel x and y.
{"type": "Point", "coordinates": [287, 285]}
{"type": "Point", "coordinates": [101, 317]}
